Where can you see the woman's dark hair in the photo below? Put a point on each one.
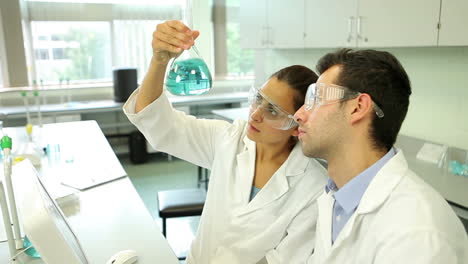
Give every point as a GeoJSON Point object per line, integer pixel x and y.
{"type": "Point", "coordinates": [379, 74]}
{"type": "Point", "coordinates": [299, 78]}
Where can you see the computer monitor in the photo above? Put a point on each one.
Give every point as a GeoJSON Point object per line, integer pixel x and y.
{"type": "Point", "coordinates": [43, 221]}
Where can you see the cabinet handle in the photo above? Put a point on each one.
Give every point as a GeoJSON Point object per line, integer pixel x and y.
{"type": "Point", "coordinates": [350, 29]}
{"type": "Point", "coordinates": [265, 36]}
{"type": "Point", "coordinates": [270, 36]}
{"type": "Point", "coordinates": [359, 35]}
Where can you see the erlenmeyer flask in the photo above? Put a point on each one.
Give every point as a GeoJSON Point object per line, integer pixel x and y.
{"type": "Point", "coordinates": [189, 74]}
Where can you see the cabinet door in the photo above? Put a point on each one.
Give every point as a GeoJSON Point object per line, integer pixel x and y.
{"type": "Point", "coordinates": [253, 24]}
{"type": "Point", "coordinates": [286, 23]}
{"type": "Point", "coordinates": [330, 23]}
{"type": "Point", "coordinates": [397, 23]}
{"type": "Point", "coordinates": [454, 22]}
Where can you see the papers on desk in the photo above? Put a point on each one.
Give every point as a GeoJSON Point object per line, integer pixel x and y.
{"type": "Point", "coordinates": [432, 153]}
{"type": "Point", "coordinates": [85, 176]}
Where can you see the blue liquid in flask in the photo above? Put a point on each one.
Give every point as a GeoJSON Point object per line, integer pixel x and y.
{"type": "Point", "coordinates": [32, 252]}
{"type": "Point", "coordinates": [189, 77]}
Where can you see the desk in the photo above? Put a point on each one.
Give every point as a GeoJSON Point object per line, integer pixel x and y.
{"type": "Point", "coordinates": [452, 187]}
{"type": "Point", "coordinates": [110, 105]}
{"type": "Point", "coordinates": [107, 218]}
{"type": "Point", "coordinates": [232, 114]}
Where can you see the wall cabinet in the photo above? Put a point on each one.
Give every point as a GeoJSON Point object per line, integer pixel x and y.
{"type": "Point", "coordinates": [272, 24]}
{"type": "Point", "coordinates": [397, 23]}
{"type": "Point", "coordinates": [330, 23]}
{"type": "Point", "coordinates": [371, 23]}
{"type": "Point", "coordinates": [453, 23]}
{"type": "Point", "coordinates": [353, 23]}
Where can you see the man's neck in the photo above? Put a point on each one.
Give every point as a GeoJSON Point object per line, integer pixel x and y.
{"type": "Point", "coordinates": [351, 161]}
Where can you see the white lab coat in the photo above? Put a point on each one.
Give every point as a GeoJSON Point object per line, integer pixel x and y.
{"type": "Point", "coordinates": [279, 223]}
{"type": "Point", "coordinates": [400, 219]}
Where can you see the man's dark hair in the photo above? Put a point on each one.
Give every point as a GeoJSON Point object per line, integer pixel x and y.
{"type": "Point", "coordinates": [379, 74]}
{"type": "Point", "coordinates": [299, 78]}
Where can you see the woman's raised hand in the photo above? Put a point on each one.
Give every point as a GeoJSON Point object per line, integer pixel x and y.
{"type": "Point", "coordinates": [170, 39]}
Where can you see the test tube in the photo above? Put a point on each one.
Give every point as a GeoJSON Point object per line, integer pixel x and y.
{"type": "Point", "coordinates": [26, 106]}
{"type": "Point", "coordinates": [62, 100]}
{"type": "Point", "coordinates": [69, 98]}
{"type": "Point", "coordinates": [38, 106]}
{"type": "Point", "coordinates": [44, 100]}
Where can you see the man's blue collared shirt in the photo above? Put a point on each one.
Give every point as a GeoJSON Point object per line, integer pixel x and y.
{"type": "Point", "coordinates": [348, 197]}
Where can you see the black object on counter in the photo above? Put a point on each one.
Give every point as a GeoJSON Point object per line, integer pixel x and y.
{"type": "Point", "coordinates": [125, 82]}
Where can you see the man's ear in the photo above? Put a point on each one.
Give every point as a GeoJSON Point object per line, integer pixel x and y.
{"type": "Point", "coordinates": [361, 108]}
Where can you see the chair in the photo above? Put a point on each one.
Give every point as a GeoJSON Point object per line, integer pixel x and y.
{"type": "Point", "coordinates": [203, 178]}
{"type": "Point", "coordinates": [179, 203]}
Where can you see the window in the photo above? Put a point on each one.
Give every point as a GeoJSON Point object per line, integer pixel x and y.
{"type": "Point", "coordinates": [132, 43]}
{"type": "Point", "coordinates": [83, 40]}
{"type": "Point", "coordinates": [76, 51]}
{"type": "Point", "coordinates": [59, 53]}
{"type": "Point", "coordinates": [239, 62]}
{"type": "Point", "coordinates": [3, 66]}
{"type": "Point", "coordinates": [42, 54]}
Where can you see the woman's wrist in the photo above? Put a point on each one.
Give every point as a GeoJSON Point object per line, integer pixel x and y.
{"type": "Point", "coordinates": [161, 58]}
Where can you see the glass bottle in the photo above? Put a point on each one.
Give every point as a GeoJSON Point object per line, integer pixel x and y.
{"type": "Point", "coordinates": [188, 73]}
{"type": "Point", "coordinates": [32, 252]}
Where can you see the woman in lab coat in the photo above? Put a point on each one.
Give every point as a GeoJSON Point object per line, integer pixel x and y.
{"type": "Point", "coordinates": [261, 200]}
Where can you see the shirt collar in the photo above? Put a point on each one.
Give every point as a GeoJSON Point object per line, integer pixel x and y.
{"type": "Point", "coordinates": [349, 196]}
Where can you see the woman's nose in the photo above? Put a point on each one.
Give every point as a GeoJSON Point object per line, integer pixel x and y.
{"type": "Point", "coordinates": [256, 114]}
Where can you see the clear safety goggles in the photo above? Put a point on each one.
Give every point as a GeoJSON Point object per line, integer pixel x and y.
{"type": "Point", "coordinates": [271, 113]}
{"type": "Point", "coordinates": [319, 94]}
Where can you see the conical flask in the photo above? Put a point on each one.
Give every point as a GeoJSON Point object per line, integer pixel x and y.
{"type": "Point", "coordinates": [188, 74]}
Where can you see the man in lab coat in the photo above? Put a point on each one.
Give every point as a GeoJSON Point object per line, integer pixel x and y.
{"type": "Point", "coordinates": [374, 209]}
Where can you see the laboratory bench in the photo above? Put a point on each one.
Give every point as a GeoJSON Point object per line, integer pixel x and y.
{"type": "Point", "coordinates": [108, 216]}
{"type": "Point", "coordinates": [110, 117]}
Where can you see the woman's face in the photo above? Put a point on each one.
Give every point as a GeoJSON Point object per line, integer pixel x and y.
{"type": "Point", "coordinates": [260, 130]}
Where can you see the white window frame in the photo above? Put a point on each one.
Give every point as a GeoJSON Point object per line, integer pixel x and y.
{"type": "Point", "coordinates": [222, 15]}
{"type": "Point", "coordinates": [95, 12]}
{"type": "Point", "coordinates": [3, 62]}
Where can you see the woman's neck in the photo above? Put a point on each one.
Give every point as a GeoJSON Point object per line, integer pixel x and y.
{"type": "Point", "coordinates": [277, 152]}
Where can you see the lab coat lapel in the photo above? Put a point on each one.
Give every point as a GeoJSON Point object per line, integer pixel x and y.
{"type": "Point", "coordinates": [346, 231]}
{"type": "Point", "coordinates": [278, 185]}
{"type": "Point", "coordinates": [274, 189]}
{"type": "Point", "coordinates": [378, 191]}
{"type": "Point", "coordinates": [324, 225]}
{"type": "Point", "coordinates": [245, 171]}
{"type": "Point", "coordinates": [383, 183]}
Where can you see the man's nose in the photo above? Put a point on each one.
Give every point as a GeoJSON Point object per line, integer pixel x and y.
{"type": "Point", "coordinates": [299, 116]}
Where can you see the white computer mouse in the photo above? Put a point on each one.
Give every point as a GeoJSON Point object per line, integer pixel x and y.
{"type": "Point", "coordinates": [124, 257]}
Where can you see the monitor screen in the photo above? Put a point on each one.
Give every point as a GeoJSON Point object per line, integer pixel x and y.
{"type": "Point", "coordinates": [43, 221]}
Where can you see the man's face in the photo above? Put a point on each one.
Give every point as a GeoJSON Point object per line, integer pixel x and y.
{"type": "Point", "coordinates": [321, 129]}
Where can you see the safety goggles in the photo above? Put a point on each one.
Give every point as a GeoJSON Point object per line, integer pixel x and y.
{"type": "Point", "coordinates": [319, 94]}
{"type": "Point", "coordinates": [271, 113]}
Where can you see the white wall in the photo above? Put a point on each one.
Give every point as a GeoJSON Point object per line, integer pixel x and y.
{"type": "Point", "coordinates": [439, 104]}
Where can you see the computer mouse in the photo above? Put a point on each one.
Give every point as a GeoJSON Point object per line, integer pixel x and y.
{"type": "Point", "coordinates": [124, 257]}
